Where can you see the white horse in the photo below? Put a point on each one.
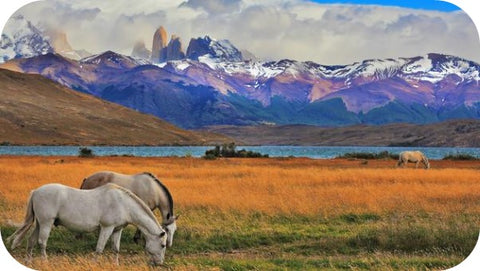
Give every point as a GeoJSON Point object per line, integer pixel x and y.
{"type": "Point", "coordinates": [148, 188]}
{"type": "Point", "coordinates": [413, 157]}
{"type": "Point", "coordinates": [108, 208]}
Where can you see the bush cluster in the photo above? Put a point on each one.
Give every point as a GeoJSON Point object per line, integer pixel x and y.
{"type": "Point", "coordinates": [460, 156]}
{"type": "Point", "coordinates": [229, 150]}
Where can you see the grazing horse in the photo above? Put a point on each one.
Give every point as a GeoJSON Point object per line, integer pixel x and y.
{"type": "Point", "coordinates": [108, 208]}
{"type": "Point", "coordinates": [413, 157]}
{"type": "Point", "coordinates": [148, 188]}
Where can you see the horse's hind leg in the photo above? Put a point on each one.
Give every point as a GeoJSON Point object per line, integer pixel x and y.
{"type": "Point", "coordinates": [44, 233]}
{"type": "Point", "coordinates": [116, 235]}
{"type": "Point", "coordinates": [32, 241]}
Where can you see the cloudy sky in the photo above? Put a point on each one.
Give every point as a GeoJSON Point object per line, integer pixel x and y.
{"type": "Point", "coordinates": [327, 32]}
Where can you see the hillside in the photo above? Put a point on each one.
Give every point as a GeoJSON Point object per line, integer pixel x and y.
{"type": "Point", "coordinates": [37, 111]}
{"type": "Point", "coordinates": [454, 133]}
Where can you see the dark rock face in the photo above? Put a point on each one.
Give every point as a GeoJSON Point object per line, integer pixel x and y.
{"type": "Point", "coordinates": [198, 47]}
{"type": "Point", "coordinates": [220, 50]}
{"type": "Point", "coordinates": [174, 50]}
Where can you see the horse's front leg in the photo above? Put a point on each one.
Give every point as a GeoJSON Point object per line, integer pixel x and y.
{"type": "Point", "coordinates": [105, 233]}
{"type": "Point", "coordinates": [116, 235]}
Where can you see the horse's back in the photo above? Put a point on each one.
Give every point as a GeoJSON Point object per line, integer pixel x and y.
{"type": "Point", "coordinates": [143, 185]}
{"type": "Point", "coordinates": [80, 210]}
{"type": "Point", "coordinates": [65, 195]}
{"type": "Point", "coordinates": [99, 179]}
{"type": "Point", "coordinates": [52, 191]}
{"type": "Point", "coordinates": [411, 155]}
{"type": "Point", "coordinates": [50, 199]}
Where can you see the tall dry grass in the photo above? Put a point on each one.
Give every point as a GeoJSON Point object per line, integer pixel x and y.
{"type": "Point", "coordinates": [272, 186]}
{"type": "Point", "coordinates": [237, 189]}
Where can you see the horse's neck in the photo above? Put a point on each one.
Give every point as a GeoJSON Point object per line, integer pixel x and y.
{"type": "Point", "coordinates": [164, 205]}
{"type": "Point", "coordinates": [143, 220]}
{"type": "Point", "coordinates": [424, 158]}
{"type": "Point", "coordinates": [164, 209]}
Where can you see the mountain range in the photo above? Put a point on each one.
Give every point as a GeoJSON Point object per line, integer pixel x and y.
{"type": "Point", "coordinates": [212, 84]}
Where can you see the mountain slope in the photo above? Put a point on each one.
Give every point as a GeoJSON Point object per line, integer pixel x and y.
{"type": "Point", "coordinates": [35, 110]}
{"type": "Point", "coordinates": [458, 133]}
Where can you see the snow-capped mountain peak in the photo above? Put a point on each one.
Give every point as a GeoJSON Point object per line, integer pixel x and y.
{"type": "Point", "coordinates": [213, 50]}
{"type": "Point", "coordinates": [435, 67]}
{"type": "Point", "coordinates": [114, 60]}
{"type": "Point", "coordinates": [21, 39]}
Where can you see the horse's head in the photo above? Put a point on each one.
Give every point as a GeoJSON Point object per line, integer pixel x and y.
{"type": "Point", "coordinates": [425, 162]}
{"type": "Point", "coordinates": [156, 245]}
{"type": "Point", "coordinates": [170, 227]}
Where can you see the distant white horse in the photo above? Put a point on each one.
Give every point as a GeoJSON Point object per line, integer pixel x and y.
{"type": "Point", "coordinates": [413, 157]}
{"type": "Point", "coordinates": [108, 208]}
{"type": "Point", "coordinates": [148, 188]}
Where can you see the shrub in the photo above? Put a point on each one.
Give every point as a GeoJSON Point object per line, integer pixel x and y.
{"type": "Point", "coordinates": [85, 152]}
{"type": "Point", "coordinates": [460, 156]}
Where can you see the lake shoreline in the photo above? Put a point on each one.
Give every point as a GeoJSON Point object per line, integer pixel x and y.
{"type": "Point", "coordinates": [326, 152]}
{"type": "Point", "coordinates": [341, 163]}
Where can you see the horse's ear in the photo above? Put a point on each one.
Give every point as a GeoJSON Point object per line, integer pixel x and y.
{"type": "Point", "coordinates": [162, 234]}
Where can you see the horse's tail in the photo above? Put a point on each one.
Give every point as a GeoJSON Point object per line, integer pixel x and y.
{"type": "Point", "coordinates": [18, 235]}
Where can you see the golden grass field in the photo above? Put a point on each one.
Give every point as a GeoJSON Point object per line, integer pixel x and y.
{"type": "Point", "coordinates": [218, 195]}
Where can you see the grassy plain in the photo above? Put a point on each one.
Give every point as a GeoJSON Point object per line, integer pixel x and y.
{"type": "Point", "coordinates": [273, 214]}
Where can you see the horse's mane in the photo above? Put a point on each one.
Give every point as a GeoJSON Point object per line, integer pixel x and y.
{"type": "Point", "coordinates": [136, 199]}
{"type": "Point", "coordinates": [169, 196]}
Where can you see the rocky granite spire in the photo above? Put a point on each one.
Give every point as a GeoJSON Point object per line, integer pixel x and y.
{"type": "Point", "coordinates": [159, 44]}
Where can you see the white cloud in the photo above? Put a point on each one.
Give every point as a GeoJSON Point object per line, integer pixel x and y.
{"type": "Point", "coordinates": [214, 6]}
{"type": "Point", "coordinates": [271, 29]}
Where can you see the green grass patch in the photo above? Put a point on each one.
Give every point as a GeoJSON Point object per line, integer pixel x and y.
{"type": "Point", "coordinates": [257, 241]}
